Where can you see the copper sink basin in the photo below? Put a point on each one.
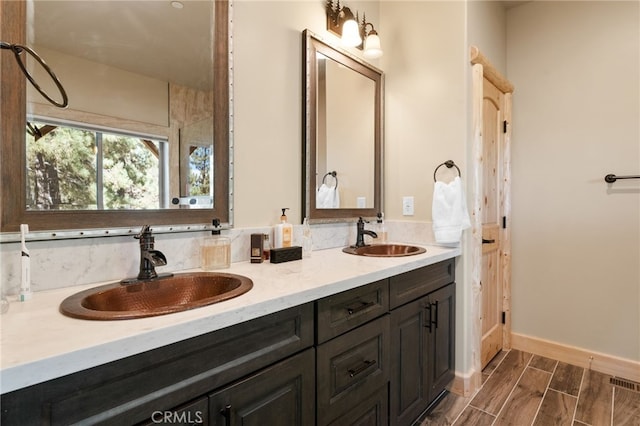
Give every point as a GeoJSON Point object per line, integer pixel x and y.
{"type": "Point", "coordinates": [385, 250]}
{"type": "Point", "coordinates": [176, 293]}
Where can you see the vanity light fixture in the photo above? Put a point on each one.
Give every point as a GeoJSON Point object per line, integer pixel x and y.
{"type": "Point", "coordinates": [372, 48]}
{"type": "Point", "coordinates": [177, 4]}
{"type": "Point", "coordinates": [342, 22]}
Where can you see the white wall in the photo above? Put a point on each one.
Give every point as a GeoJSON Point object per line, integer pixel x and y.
{"type": "Point", "coordinates": [576, 239]}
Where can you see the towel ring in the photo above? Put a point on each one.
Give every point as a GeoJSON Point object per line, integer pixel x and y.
{"type": "Point", "coordinates": [449, 164]}
{"type": "Point", "coordinates": [333, 174]}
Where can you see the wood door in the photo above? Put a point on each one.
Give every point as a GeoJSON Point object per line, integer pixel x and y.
{"type": "Point", "coordinates": [494, 128]}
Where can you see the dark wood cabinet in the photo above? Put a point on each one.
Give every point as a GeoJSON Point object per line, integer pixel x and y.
{"type": "Point", "coordinates": [350, 367]}
{"type": "Point", "coordinates": [423, 355]}
{"type": "Point", "coordinates": [441, 356]}
{"type": "Point", "coordinates": [375, 355]}
{"type": "Point", "coordinates": [134, 389]}
{"type": "Point", "coordinates": [282, 394]}
{"type": "Point", "coordinates": [372, 410]}
{"type": "Point", "coordinates": [345, 311]}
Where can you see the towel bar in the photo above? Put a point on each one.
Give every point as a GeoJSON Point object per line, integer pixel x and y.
{"type": "Point", "coordinates": [334, 174]}
{"type": "Point", "coordinates": [449, 164]}
{"type": "Point", "coordinates": [612, 178]}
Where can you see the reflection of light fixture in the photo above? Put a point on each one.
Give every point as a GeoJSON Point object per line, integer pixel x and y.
{"type": "Point", "coordinates": [372, 48]}
{"type": "Point", "coordinates": [177, 5]}
{"type": "Point", "coordinates": [340, 21]}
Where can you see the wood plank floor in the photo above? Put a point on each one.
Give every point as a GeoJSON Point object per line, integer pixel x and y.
{"type": "Point", "coordinates": [523, 389]}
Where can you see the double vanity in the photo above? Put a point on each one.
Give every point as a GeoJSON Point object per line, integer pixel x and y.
{"type": "Point", "coordinates": [330, 339]}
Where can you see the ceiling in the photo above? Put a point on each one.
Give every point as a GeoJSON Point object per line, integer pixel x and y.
{"type": "Point", "coordinates": [148, 37]}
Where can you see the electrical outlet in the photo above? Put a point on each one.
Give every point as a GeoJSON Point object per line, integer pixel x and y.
{"type": "Point", "coordinates": [407, 206]}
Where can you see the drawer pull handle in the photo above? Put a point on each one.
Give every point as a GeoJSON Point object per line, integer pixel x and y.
{"type": "Point", "coordinates": [361, 307]}
{"type": "Point", "coordinates": [436, 314]}
{"type": "Point", "coordinates": [226, 412]}
{"type": "Point", "coordinates": [485, 241]}
{"type": "Point", "coordinates": [355, 371]}
{"type": "Point", "coordinates": [427, 323]}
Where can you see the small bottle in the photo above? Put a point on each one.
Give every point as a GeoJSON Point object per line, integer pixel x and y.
{"type": "Point", "coordinates": [381, 229]}
{"type": "Point", "coordinates": [307, 241]}
{"type": "Point", "coordinates": [283, 232]}
{"type": "Point", "coordinates": [216, 250]}
{"type": "Point", "coordinates": [266, 248]}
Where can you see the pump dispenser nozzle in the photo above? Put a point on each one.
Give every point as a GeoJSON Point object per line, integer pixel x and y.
{"type": "Point", "coordinates": [283, 218]}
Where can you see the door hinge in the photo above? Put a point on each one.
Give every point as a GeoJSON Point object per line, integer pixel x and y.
{"type": "Point", "coordinates": [504, 317]}
{"type": "Point", "coordinates": [504, 222]}
{"type": "Point", "coordinates": [504, 126]}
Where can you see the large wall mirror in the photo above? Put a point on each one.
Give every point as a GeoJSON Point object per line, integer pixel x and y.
{"type": "Point", "coordinates": [146, 135]}
{"type": "Point", "coordinates": [343, 116]}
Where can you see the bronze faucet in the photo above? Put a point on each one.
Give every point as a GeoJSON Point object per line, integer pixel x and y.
{"type": "Point", "coordinates": [149, 258]}
{"type": "Point", "coordinates": [361, 233]}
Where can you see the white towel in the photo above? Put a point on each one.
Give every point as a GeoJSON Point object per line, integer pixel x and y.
{"type": "Point", "coordinates": [449, 211]}
{"type": "Point", "coordinates": [327, 197]}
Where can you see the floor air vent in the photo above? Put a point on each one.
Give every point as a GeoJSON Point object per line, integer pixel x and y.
{"type": "Point", "coordinates": [625, 384]}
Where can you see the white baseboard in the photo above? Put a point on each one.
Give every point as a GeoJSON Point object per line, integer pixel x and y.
{"type": "Point", "coordinates": [608, 364]}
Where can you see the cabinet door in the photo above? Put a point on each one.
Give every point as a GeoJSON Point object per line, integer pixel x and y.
{"type": "Point", "coordinates": [372, 411]}
{"type": "Point", "coordinates": [350, 367]}
{"type": "Point", "coordinates": [282, 394]}
{"type": "Point", "coordinates": [410, 345]}
{"type": "Point", "coordinates": [441, 362]}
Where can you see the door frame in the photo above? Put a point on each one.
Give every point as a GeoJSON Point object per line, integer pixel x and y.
{"type": "Point", "coordinates": [481, 69]}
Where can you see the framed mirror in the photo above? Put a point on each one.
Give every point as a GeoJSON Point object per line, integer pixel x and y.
{"type": "Point", "coordinates": [343, 147]}
{"type": "Point", "coordinates": [156, 79]}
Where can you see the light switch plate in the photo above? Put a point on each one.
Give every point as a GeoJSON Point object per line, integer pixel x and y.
{"type": "Point", "coordinates": [407, 206]}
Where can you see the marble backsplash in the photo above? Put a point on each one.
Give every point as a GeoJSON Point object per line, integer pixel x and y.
{"type": "Point", "coordinates": [65, 263]}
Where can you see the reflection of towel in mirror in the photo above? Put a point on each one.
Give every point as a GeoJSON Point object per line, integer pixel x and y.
{"type": "Point", "coordinates": [449, 211]}
{"type": "Point", "coordinates": [327, 197]}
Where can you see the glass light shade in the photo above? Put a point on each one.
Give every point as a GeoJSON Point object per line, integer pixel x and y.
{"type": "Point", "coordinates": [372, 47]}
{"type": "Point", "coordinates": [351, 33]}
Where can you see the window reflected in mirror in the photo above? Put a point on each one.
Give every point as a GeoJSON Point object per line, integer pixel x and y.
{"type": "Point", "coordinates": [79, 168]}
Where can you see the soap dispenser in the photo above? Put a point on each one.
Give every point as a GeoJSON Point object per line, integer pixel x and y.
{"type": "Point", "coordinates": [216, 250]}
{"type": "Point", "coordinates": [283, 232]}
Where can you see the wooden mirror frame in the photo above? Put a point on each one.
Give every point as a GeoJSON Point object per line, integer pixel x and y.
{"type": "Point", "coordinates": [312, 45]}
{"type": "Point", "coordinates": [13, 151]}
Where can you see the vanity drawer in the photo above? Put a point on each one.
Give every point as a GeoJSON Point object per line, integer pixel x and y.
{"type": "Point", "coordinates": [350, 366]}
{"type": "Point", "coordinates": [411, 285]}
{"type": "Point", "coordinates": [344, 311]}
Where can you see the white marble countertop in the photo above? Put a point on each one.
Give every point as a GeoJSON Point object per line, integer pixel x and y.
{"type": "Point", "coordinates": [38, 343]}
